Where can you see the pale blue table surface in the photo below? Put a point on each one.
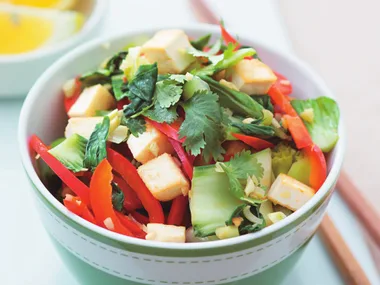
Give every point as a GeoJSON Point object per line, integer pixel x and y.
{"type": "Point", "coordinates": [26, 254]}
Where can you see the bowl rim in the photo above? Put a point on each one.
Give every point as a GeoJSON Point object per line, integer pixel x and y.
{"type": "Point", "coordinates": [291, 59]}
{"type": "Point", "coordinates": [90, 24]}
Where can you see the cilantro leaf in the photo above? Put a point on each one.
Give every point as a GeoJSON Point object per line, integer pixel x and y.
{"type": "Point", "coordinates": [141, 89]}
{"type": "Point", "coordinates": [167, 94]}
{"type": "Point", "coordinates": [117, 197]}
{"type": "Point", "coordinates": [180, 78]}
{"type": "Point", "coordinates": [96, 146]}
{"type": "Point", "coordinates": [135, 125]}
{"type": "Point", "coordinates": [202, 127]}
{"type": "Point", "coordinates": [162, 115]}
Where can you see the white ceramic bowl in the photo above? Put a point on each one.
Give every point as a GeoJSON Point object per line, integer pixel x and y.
{"type": "Point", "coordinates": [98, 256]}
{"type": "Point", "coordinates": [19, 72]}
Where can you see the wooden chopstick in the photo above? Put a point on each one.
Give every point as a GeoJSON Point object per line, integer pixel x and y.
{"type": "Point", "coordinates": [362, 208]}
{"type": "Point", "coordinates": [349, 267]}
{"type": "Point", "coordinates": [346, 262]}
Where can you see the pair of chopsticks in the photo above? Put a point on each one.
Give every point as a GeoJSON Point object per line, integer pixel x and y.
{"type": "Point", "coordinates": [347, 264]}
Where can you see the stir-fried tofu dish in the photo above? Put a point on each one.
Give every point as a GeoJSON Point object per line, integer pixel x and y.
{"type": "Point", "coordinates": [183, 140]}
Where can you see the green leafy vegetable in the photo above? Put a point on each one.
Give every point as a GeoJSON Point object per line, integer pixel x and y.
{"type": "Point", "coordinates": [135, 125]}
{"type": "Point", "coordinates": [238, 169]}
{"type": "Point", "coordinates": [238, 102]}
{"type": "Point", "coordinates": [119, 87]}
{"type": "Point", "coordinates": [71, 152]}
{"type": "Point", "coordinates": [162, 115]}
{"type": "Point", "coordinates": [210, 54]}
{"type": "Point", "coordinates": [117, 197]}
{"type": "Point", "coordinates": [264, 100]}
{"type": "Point", "coordinates": [113, 64]}
{"type": "Point", "coordinates": [202, 126]}
{"type": "Point", "coordinates": [201, 42]}
{"type": "Point", "coordinates": [57, 142]}
{"type": "Point", "coordinates": [254, 128]}
{"type": "Point", "coordinates": [96, 149]}
{"type": "Point", "coordinates": [141, 89]}
{"type": "Point", "coordinates": [100, 76]}
{"type": "Point", "coordinates": [283, 156]}
{"type": "Point", "coordinates": [324, 127]}
{"type": "Point", "coordinates": [167, 94]}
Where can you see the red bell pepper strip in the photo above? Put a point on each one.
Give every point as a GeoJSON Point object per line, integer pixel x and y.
{"type": "Point", "coordinates": [131, 225]}
{"type": "Point", "coordinates": [140, 217]}
{"type": "Point", "coordinates": [69, 102]}
{"type": "Point", "coordinates": [298, 131]}
{"type": "Point", "coordinates": [171, 131]}
{"type": "Point", "coordinates": [187, 162]}
{"type": "Point", "coordinates": [283, 84]}
{"type": "Point", "coordinates": [101, 199]}
{"type": "Point", "coordinates": [131, 201]}
{"type": "Point", "coordinates": [280, 100]}
{"type": "Point", "coordinates": [122, 102]}
{"type": "Point", "coordinates": [177, 210]}
{"type": "Point", "coordinates": [318, 166]}
{"type": "Point", "coordinates": [127, 170]}
{"type": "Point", "coordinates": [75, 205]}
{"type": "Point", "coordinates": [67, 177]}
{"type": "Point", "coordinates": [228, 39]}
{"type": "Point", "coordinates": [256, 143]}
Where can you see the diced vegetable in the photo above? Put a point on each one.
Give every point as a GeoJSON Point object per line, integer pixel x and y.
{"type": "Point", "coordinates": [265, 209]}
{"type": "Point", "coordinates": [227, 232]}
{"type": "Point", "coordinates": [276, 217]}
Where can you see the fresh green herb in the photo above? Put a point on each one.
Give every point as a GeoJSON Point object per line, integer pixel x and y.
{"type": "Point", "coordinates": [202, 127]}
{"type": "Point", "coordinates": [101, 76]}
{"type": "Point", "coordinates": [264, 100]}
{"type": "Point", "coordinates": [167, 94]}
{"type": "Point", "coordinates": [117, 197]}
{"type": "Point", "coordinates": [71, 152]}
{"type": "Point", "coordinates": [113, 65]}
{"type": "Point", "coordinates": [210, 54]}
{"type": "Point", "coordinates": [119, 87]}
{"type": "Point", "coordinates": [202, 42]}
{"type": "Point", "coordinates": [238, 102]}
{"type": "Point", "coordinates": [135, 125]}
{"type": "Point", "coordinates": [162, 115]}
{"type": "Point", "coordinates": [324, 126]}
{"type": "Point", "coordinates": [235, 214]}
{"type": "Point", "coordinates": [141, 89]}
{"type": "Point", "coordinates": [96, 149]}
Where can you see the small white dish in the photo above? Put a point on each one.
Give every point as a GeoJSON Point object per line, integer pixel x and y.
{"type": "Point", "coordinates": [19, 72]}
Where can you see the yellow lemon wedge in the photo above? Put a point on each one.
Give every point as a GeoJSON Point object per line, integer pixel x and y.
{"type": "Point", "coordinates": [24, 29]}
{"type": "Point", "coordinates": [53, 4]}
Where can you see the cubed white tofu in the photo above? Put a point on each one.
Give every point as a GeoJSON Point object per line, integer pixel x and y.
{"type": "Point", "coordinates": [149, 144]}
{"type": "Point", "coordinates": [85, 126]}
{"type": "Point", "coordinates": [253, 77]}
{"type": "Point", "coordinates": [289, 192]}
{"type": "Point", "coordinates": [92, 99]}
{"type": "Point", "coordinates": [169, 49]}
{"type": "Point", "coordinates": [164, 178]}
{"type": "Point", "coordinates": [165, 233]}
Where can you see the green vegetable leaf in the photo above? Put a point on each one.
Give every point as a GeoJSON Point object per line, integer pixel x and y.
{"type": "Point", "coordinates": [264, 100]}
{"type": "Point", "coordinates": [135, 125]}
{"type": "Point", "coordinates": [71, 152]}
{"type": "Point", "coordinates": [238, 102]}
{"type": "Point", "coordinates": [202, 127]}
{"type": "Point", "coordinates": [113, 64]}
{"type": "Point", "coordinates": [117, 197]}
{"type": "Point", "coordinates": [254, 129]}
{"type": "Point", "coordinates": [201, 42]}
{"type": "Point", "coordinates": [162, 115]}
{"type": "Point", "coordinates": [180, 78]}
{"type": "Point", "coordinates": [96, 149]}
{"type": "Point", "coordinates": [210, 54]}
{"type": "Point", "coordinates": [100, 76]}
{"type": "Point", "coordinates": [119, 87]}
{"type": "Point", "coordinates": [141, 89]}
{"type": "Point", "coordinates": [324, 127]}
{"type": "Point", "coordinates": [167, 94]}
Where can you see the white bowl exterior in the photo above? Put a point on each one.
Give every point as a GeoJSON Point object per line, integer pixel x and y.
{"type": "Point", "coordinates": [130, 265]}
{"type": "Point", "coordinates": [18, 73]}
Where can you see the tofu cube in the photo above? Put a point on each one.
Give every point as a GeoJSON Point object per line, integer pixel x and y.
{"type": "Point", "coordinates": [85, 126]}
{"type": "Point", "coordinates": [289, 192]}
{"type": "Point", "coordinates": [165, 233]}
{"type": "Point", "coordinates": [164, 178]}
{"type": "Point", "coordinates": [149, 144]}
{"type": "Point", "coordinates": [92, 99]}
{"type": "Point", "coordinates": [169, 49]}
{"type": "Point", "coordinates": [253, 77]}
